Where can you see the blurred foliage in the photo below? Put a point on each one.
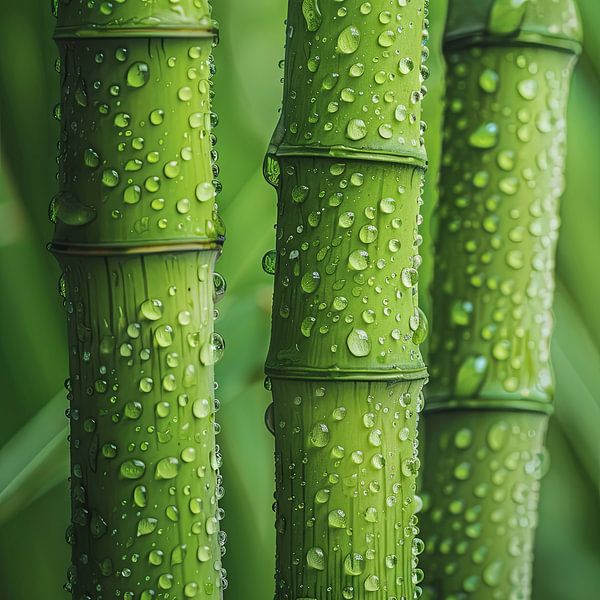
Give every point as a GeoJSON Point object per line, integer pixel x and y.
{"type": "Point", "coordinates": [34, 501]}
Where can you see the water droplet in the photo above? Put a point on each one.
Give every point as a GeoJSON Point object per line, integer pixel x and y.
{"type": "Point", "coordinates": [409, 277]}
{"type": "Point", "coordinates": [205, 191]}
{"type": "Point", "coordinates": [501, 350]}
{"type": "Point", "coordinates": [167, 468]}
{"type": "Point", "coordinates": [497, 436]}
{"type": "Point", "coordinates": [110, 178]}
{"type": "Point", "coordinates": [138, 74]}
{"type": "Point", "coordinates": [348, 40]}
{"type": "Point", "coordinates": [132, 469]}
{"type": "Point", "coordinates": [488, 81]}
{"type": "Point", "coordinates": [319, 435]}
{"type": "Point", "coordinates": [346, 220]}
{"type": "Point", "coordinates": [354, 564]}
{"type": "Point", "coordinates": [269, 262]}
{"type": "Point", "coordinates": [463, 438]}
{"type": "Point", "coordinates": [462, 471]}
{"type": "Point", "coordinates": [151, 309]}
{"type": "Point", "coordinates": [372, 583]}
{"type": "Point", "coordinates": [336, 519]}
{"type": "Point", "coordinates": [368, 234]}
{"type": "Point", "coordinates": [146, 526]}
{"type": "Point", "coordinates": [486, 136]}
{"type": "Point", "coordinates": [133, 410]}
{"type": "Point", "coordinates": [528, 89]}
{"type": "Point", "coordinates": [356, 129]}
{"type": "Point", "coordinates": [406, 65]}
{"type": "Point", "coordinates": [163, 336]}
{"type": "Point", "coordinates": [492, 574]}
{"type": "Point", "coordinates": [312, 14]}
{"type": "Point", "coordinates": [315, 558]}
{"type": "Point", "coordinates": [386, 38]}
{"type": "Point", "coordinates": [310, 281]}
{"type": "Point", "coordinates": [358, 260]}
{"type": "Point", "coordinates": [470, 376]}
{"type": "Point", "coordinates": [422, 329]}
{"type": "Point", "coordinates": [387, 205]}
{"type": "Point", "coordinates": [460, 312]}
{"type": "Point", "coordinates": [91, 158]}
{"type": "Point", "coordinates": [157, 116]}
{"type": "Point", "coordinates": [68, 210]}
{"type": "Point", "coordinates": [299, 194]}
{"type": "Point", "coordinates": [358, 342]}
{"type": "Point", "coordinates": [506, 16]}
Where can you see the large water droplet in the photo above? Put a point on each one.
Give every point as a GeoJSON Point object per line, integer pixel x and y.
{"type": "Point", "coordinates": [356, 129]}
{"type": "Point", "coordinates": [358, 342]}
{"type": "Point", "coordinates": [138, 74]}
{"type": "Point", "coordinates": [336, 519]}
{"type": "Point", "coordinates": [132, 469]}
{"type": "Point", "coordinates": [315, 558]}
{"type": "Point", "coordinates": [354, 564]}
{"type": "Point", "coordinates": [319, 435]}
{"type": "Point", "coordinates": [312, 14]}
{"type": "Point", "coordinates": [470, 376]}
{"type": "Point", "coordinates": [348, 40]}
{"type": "Point", "coordinates": [506, 16]}
{"type": "Point", "coordinates": [167, 468]}
{"type": "Point", "coordinates": [497, 436]}
{"type": "Point", "coordinates": [486, 136]}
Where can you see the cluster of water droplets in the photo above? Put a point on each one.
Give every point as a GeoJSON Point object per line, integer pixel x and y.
{"type": "Point", "coordinates": [481, 504]}
{"type": "Point", "coordinates": [150, 179]}
{"type": "Point", "coordinates": [145, 480]}
{"type": "Point", "coordinates": [350, 98]}
{"type": "Point", "coordinates": [346, 262]}
{"type": "Point", "coordinates": [346, 463]}
{"type": "Point", "coordinates": [501, 184]}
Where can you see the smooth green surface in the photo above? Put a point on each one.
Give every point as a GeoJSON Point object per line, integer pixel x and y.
{"type": "Point", "coordinates": [32, 548]}
{"type": "Point", "coordinates": [501, 182]}
{"type": "Point", "coordinates": [345, 368]}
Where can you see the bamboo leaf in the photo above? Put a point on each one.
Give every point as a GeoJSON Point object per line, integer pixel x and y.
{"type": "Point", "coordinates": [35, 459]}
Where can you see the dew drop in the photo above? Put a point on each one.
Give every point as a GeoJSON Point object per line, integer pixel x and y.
{"type": "Point", "coordinates": [358, 342]}
{"type": "Point", "coordinates": [319, 435]}
{"type": "Point", "coordinates": [348, 40]}
{"type": "Point", "coordinates": [356, 129]}
{"type": "Point", "coordinates": [138, 74]}
{"type": "Point", "coordinates": [485, 136]}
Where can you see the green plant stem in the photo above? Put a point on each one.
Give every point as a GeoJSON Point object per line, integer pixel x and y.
{"type": "Point", "coordinates": [347, 160]}
{"type": "Point", "coordinates": [509, 68]}
{"type": "Point", "coordinates": [137, 237]}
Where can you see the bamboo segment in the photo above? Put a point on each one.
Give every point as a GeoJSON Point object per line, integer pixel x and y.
{"type": "Point", "coordinates": [137, 236]}
{"type": "Point", "coordinates": [347, 160]}
{"type": "Point", "coordinates": [509, 69]}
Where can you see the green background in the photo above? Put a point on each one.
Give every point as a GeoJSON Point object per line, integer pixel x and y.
{"type": "Point", "coordinates": [33, 447]}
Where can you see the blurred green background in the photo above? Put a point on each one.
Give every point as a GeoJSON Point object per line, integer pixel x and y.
{"type": "Point", "coordinates": [33, 447]}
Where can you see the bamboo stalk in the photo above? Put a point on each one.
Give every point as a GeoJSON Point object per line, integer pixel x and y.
{"type": "Point", "coordinates": [347, 160]}
{"type": "Point", "coordinates": [137, 237]}
{"type": "Point", "coordinates": [509, 68]}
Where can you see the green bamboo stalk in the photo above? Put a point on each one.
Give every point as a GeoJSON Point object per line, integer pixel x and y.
{"type": "Point", "coordinates": [347, 160]}
{"type": "Point", "coordinates": [509, 68]}
{"type": "Point", "coordinates": [137, 236]}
